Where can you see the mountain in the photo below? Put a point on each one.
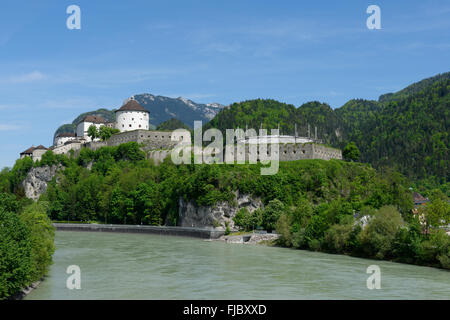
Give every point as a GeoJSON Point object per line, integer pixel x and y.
{"type": "Point", "coordinates": [407, 130]}
{"type": "Point", "coordinates": [161, 109]}
{"type": "Point", "coordinates": [414, 88]}
{"type": "Point", "coordinates": [172, 124]}
{"type": "Point", "coordinates": [164, 108]}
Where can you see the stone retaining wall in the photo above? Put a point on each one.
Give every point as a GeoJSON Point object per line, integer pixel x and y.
{"type": "Point", "coordinates": [204, 233]}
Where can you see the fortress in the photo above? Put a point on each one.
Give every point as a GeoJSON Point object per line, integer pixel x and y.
{"type": "Point", "coordinates": [132, 120]}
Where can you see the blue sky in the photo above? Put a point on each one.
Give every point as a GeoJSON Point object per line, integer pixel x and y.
{"type": "Point", "coordinates": [208, 51]}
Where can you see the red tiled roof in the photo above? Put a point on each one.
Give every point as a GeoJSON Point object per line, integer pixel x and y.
{"type": "Point", "coordinates": [28, 151]}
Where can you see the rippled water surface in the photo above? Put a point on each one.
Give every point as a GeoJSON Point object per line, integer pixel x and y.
{"type": "Point", "coordinates": [143, 266]}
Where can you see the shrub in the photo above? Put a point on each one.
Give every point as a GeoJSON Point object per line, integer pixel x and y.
{"type": "Point", "coordinates": [42, 234]}
{"type": "Point", "coordinates": [337, 238]}
{"type": "Point", "coordinates": [15, 254]}
{"type": "Point", "coordinates": [271, 214]}
{"type": "Point", "coordinates": [378, 236]}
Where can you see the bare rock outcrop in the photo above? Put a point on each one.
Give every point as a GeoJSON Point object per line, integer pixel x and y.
{"type": "Point", "coordinates": [221, 214]}
{"type": "Point", "coordinates": [35, 184]}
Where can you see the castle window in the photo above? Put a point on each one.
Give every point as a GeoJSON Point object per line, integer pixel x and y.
{"type": "Point", "coordinates": [129, 125]}
{"type": "Point", "coordinates": [123, 125]}
{"type": "Point", "coordinates": [139, 126]}
{"type": "Point", "coordinates": [132, 119]}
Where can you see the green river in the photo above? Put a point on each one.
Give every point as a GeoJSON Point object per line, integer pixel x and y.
{"type": "Point", "coordinates": [145, 266]}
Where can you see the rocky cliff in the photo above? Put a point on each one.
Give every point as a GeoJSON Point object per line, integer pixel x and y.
{"type": "Point", "coordinates": [221, 214]}
{"type": "Point", "coordinates": [35, 184]}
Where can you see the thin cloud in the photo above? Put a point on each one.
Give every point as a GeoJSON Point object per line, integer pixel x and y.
{"type": "Point", "coordinates": [28, 77]}
{"type": "Point", "coordinates": [10, 127]}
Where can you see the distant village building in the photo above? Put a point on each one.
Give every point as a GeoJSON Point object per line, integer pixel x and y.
{"type": "Point", "coordinates": [132, 116]}
{"type": "Point", "coordinates": [419, 200]}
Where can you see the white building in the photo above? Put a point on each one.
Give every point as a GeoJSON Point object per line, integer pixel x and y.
{"type": "Point", "coordinates": [62, 138]}
{"type": "Point", "coordinates": [132, 116]}
{"type": "Point", "coordinates": [83, 126]}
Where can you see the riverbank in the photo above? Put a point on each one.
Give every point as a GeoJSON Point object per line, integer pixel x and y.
{"type": "Point", "coordinates": [26, 291]}
{"type": "Point", "coordinates": [203, 233]}
{"type": "Point", "coordinates": [250, 238]}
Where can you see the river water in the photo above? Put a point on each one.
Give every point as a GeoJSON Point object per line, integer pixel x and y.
{"type": "Point", "coordinates": [145, 266]}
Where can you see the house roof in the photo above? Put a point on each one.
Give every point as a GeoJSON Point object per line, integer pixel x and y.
{"type": "Point", "coordinates": [29, 150]}
{"type": "Point", "coordinates": [93, 119]}
{"type": "Point", "coordinates": [418, 198]}
{"type": "Point", "coordinates": [132, 105]}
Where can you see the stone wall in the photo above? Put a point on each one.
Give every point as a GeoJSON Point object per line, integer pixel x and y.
{"type": "Point", "coordinates": [205, 233]}
{"type": "Point", "coordinates": [161, 139]}
{"type": "Point", "coordinates": [285, 152]}
{"type": "Point", "coordinates": [64, 149]}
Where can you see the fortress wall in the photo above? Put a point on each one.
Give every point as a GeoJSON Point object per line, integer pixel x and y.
{"type": "Point", "coordinates": [286, 152]}
{"type": "Point", "coordinates": [64, 149]}
{"type": "Point", "coordinates": [94, 145]}
{"type": "Point", "coordinates": [326, 153]}
{"type": "Point", "coordinates": [158, 139]}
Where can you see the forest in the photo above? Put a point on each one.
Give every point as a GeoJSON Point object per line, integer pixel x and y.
{"type": "Point", "coordinates": [407, 130]}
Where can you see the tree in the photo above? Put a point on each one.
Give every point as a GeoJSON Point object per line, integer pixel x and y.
{"type": "Point", "coordinates": [272, 213]}
{"type": "Point", "coordinates": [42, 234]}
{"type": "Point", "coordinates": [15, 254]}
{"type": "Point", "coordinates": [437, 212]}
{"type": "Point", "coordinates": [92, 132]}
{"type": "Point", "coordinates": [377, 238]}
{"type": "Point", "coordinates": [351, 152]}
{"type": "Point", "coordinates": [104, 133]}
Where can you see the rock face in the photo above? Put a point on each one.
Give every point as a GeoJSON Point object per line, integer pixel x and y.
{"type": "Point", "coordinates": [35, 184]}
{"type": "Point", "coordinates": [254, 238]}
{"type": "Point", "coordinates": [221, 214]}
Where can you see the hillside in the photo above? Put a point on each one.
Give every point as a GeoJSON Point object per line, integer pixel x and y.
{"type": "Point", "coordinates": [407, 130]}
{"type": "Point", "coordinates": [414, 88]}
{"type": "Point", "coordinates": [172, 124]}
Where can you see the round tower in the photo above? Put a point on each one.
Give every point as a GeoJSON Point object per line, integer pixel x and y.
{"type": "Point", "coordinates": [132, 116]}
